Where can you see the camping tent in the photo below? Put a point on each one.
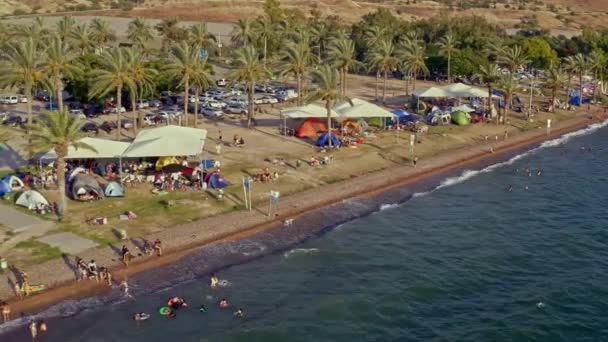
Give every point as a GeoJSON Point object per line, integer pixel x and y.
{"type": "Point", "coordinates": [215, 180]}
{"type": "Point", "coordinates": [310, 128]}
{"type": "Point", "coordinates": [85, 188]}
{"type": "Point", "coordinates": [31, 199]}
{"type": "Point", "coordinates": [4, 189]}
{"type": "Point", "coordinates": [461, 118]}
{"type": "Point", "coordinates": [167, 141]}
{"type": "Point", "coordinates": [324, 140]}
{"type": "Point", "coordinates": [78, 170]}
{"type": "Point", "coordinates": [164, 161]}
{"type": "Point", "coordinates": [103, 149]}
{"type": "Point", "coordinates": [13, 183]}
{"type": "Point", "coordinates": [114, 189]}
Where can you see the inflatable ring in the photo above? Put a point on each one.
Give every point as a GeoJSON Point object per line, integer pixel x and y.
{"type": "Point", "coordinates": [165, 311]}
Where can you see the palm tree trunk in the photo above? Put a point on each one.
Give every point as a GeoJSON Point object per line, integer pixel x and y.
{"type": "Point", "coordinates": [414, 81]}
{"type": "Point", "coordinates": [59, 90]}
{"type": "Point", "coordinates": [580, 88]}
{"type": "Point", "coordinates": [196, 94]}
{"type": "Point", "coordinates": [384, 87]}
{"type": "Point", "coordinates": [489, 100]}
{"type": "Point", "coordinates": [345, 82]}
{"type": "Point", "coordinates": [265, 48]}
{"type": "Point", "coordinates": [553, 94]}
{"type": "Point", "coordinates": [328, 108]}
{"type": "Point", "coordinates": [299, 85]}
{"type": "Point", "coordinates": [134, 111]}
{"type": "Point", "coordinates": [568, 88]}
{"type": "Point", "coordinates": [377, 81]}
{"type": "Point", "coordinates": [28, 106]}
{"type": "Point", "coordinates": [250, 103]}
{"type": "Point", "coordinates": [118, 110]}
{"type": "Point", "coordinates": [449, 67]}
{"type": "Point", "coordinates": [61, 177]}
{"type": "Point", "coordinates": [186, 95]}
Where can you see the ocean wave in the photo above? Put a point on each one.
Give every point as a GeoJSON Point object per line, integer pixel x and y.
{"type": "Point", "coordinates": [468, 174]}
{"type": "Point", "coordinates": [388, 206]}
{"type": "Point", "coordinates": [300, 251]}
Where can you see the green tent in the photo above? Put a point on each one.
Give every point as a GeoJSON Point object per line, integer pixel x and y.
{"type": "Point", "coordinates": [376, 122]}
{"type": "Point", "coordinates": [460, 118]}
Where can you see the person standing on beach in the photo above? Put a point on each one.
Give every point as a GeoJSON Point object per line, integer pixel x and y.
{"type": "Point", "coordinates": [126, 255]}
{"type": "Point", "coordinates": [33, 330]}
{"type": "Point", "coordinates": [6, 311]}
{"type": "Point", "coordinates": [158, 247]}
{"type": "Point", "coordinates": [415, 161]}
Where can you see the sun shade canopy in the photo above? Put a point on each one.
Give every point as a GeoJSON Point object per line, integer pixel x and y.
{"type": "Point", "coordinates": [104, 149]}
{"type": "Point", "coordinates": [167, 141]}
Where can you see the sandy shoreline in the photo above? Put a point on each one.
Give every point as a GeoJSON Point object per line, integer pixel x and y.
{"type": "Point", "coordinates": [185, 239]}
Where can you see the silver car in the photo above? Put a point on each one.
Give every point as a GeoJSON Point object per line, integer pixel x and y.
{"type": "Point", "coordinates": [212, 112]}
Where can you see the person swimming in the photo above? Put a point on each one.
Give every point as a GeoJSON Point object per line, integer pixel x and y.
{"type": "Point", "coordinates": [539, 172]}
{"type": "Point", "coordinates": [510, 188]}
{"type": "Point", "coordinates": [177, 303]}
{"type": "Point", "coordinates": [141, 316]}
{"type": "Point", "coordinates": [202, 309]}
{"type": "Point", "coordinates": [239, 313]}
{"type": "Point", "coordinates": [215, 282]}
{"type": "Point", "coordinates": [223, 304]}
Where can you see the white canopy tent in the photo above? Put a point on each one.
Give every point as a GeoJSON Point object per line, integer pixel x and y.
{"type": "Point", "coordinates": [456, 90]}
{"type": "Point", "coordinates": [167, 141]}
{"type": "Point", "coordinates": [432, 92]}
{"type": "Point", "coordinates": [104, 149]}
{"type": "Point", "coordinates": [362, 109]}
{"type": "Point", "coordinates": [308, 111]}
{"type": "Point", "coordinates": [464, 108]}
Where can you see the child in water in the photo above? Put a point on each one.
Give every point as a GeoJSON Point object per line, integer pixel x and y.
{"type": "Point", "coordinates": [223, 304]}
{"type": "Point", "coordinates": [215, 282]}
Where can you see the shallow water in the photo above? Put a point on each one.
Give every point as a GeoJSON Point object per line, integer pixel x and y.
{"type": "Point", "coordinates": [468, 261]}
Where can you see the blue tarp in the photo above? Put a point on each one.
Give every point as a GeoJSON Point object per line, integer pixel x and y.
{"type": "Point", "coordinates": [215, 180]}
{"type": "Point", "coordinates": [324, 141]}
{"type": "Point", "coordinates": [576, 100]}
{"type": "Point", "coordinates": [207, 164]}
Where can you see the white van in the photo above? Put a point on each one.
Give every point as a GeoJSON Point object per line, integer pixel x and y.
{"type": "Point", "coordinates": [12, 99]}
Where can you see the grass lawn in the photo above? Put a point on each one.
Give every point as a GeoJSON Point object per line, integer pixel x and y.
{"type": "Point", "coordinates": [37, 251]}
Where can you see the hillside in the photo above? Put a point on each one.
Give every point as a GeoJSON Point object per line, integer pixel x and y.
{"type": "Point", "coordinates": [562, 16]}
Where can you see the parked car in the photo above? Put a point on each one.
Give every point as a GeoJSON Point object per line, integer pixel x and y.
{"type": "Point", "coordinates": [166, 93]}
{"type": "Point", "coordinates": [150, 119]}
{"type": "Point", "coordinates": [13, 120]}
{"type": "Point", "coordinates": [286, 95]}
{"type": "Point", "coordinates": [93, 110]}
{"type": "Point", "coordinates": [155, 103]}
{"type": "Point", "coordinates": [75, 105]}
{"type": "Point", "coordinates": [108, 126]}
{"type": "Point", "coordinates": [235, 109]}
{"type": "Point", "coordinates": [212, 112]}
{"type": "Point", "coordinates": [126, 124]}
{"type": "Point", "coordinates": [9, 99]}
{"type": "Point", "coordinates": [78, 113]}
{"type": "Point", "coordinates": [22, 98]}
{"type": "Point", "coordinates": [268, 99]}
{"type": "Point", "coordinates": [214, 104]}
{"type": "Point", "coordinates": [168, 115]}
{"type": "Point", "coordinates": [222, 82]}
{"type": "Point", "coordinates": [113, 110]}
{"type": "Point", "coordinates": [90, 126]}
{"type": "Point", "coordinates": [142, 104]}
{"type": "Point", "coordinates": [235, 102]}
{"type": "Point", "coordinates": [192, 99]}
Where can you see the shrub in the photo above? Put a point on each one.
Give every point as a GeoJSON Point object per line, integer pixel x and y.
{"type": "Point", "coordinates": [19, 11]}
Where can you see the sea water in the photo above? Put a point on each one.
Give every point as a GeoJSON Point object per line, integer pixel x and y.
{"type": "Point", "coordinates": [502, 253]}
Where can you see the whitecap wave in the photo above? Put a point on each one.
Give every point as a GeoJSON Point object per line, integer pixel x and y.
{"type": "Point", "coordinates": [300, 251]}
{"type": "Point", "coordinates": [388, 206]}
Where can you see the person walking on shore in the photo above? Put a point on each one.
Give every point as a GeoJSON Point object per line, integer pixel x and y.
{"type": "Point", "coordinates": [125, 285]}
{"type": "Point", "coordinates": [415, 161]}
{"type": "Point", "coordinates": [33, 330]}
{"type": "Point", "coordinates": [126, 255]}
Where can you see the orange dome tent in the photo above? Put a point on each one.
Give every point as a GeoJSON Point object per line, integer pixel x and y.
{"type": "Point", "coordinates": [310, 128]}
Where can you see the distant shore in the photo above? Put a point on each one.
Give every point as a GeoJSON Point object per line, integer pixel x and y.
{"type": "Point", "coordinates": [59, 275]}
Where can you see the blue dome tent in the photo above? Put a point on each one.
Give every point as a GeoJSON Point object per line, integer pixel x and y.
{"type": "Point", "coordinates": [324, 140]}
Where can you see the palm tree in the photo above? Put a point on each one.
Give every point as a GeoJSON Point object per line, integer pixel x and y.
{"type": "Point", "coordinates": [139, 32]}
{"type": "Point", "coordinates": [36, 30]}
{"type": "Point", "coordinates": [327, 79]}
{"type": "Point", "coordinates": [597, 63]}
{"type": "Point", "coordinates": [199, 36]}
{"type": "Point", "coordinates": [513, 58]}
{"type": "Point", "coordinates": [171, 32]}
{"type": "Point", "coordinates": [372, 37]}
{"type": "Point", "coordinates": [101, 33]}
{"type": "Point", "coordinates": [342, 54]}
{"type": "Point", "coordinates": [489, 74]}
{"type": "Point", "coordinates": [569, 66]}
{"type": "Point", "coordinates": [22, 68]}
{"type": "Point", "coordinates": [414, 61]}
{"type": "Point", "coordinates": [248, 69]}
{"type": "Point", "coordinates": [143, 78]}
{"type": "Point", "coordinates": [58, 131]}
{"type": "Point", "coordinates": [263, 28]}
{"type": "Point", "coordinates": [296, 59]}
{"type": "Point", "coordinates": [61, 62]}
{"type": "Point", "coordinates": [82, 38]}
{"type": "Point", "coordinates": [243, 34]}
{"type": "Point", "coordinates": [184, 57]}
{"type": "Point", "coordinates": [320, 36]}
{"type": "Point", "coordinates": [113, 73]}
{"type": "Point", "coordinates": [582, 64]}
{"type": "Point", "coordinates": [509, 86]}
{"type": "Point", "coordinates": [554, 80]}
{"type": "Point", "coordinates": [65, 26]}
{"type": "Point", "coordinates": [447, 46]}
{"type": "Point", "coordinates": [383, 60]}
{"type": "Point", "coordinates": [200, 80]}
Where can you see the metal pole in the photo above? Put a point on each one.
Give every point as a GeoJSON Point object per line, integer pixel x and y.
{"type": "Point", "coordinates": [250, 204]}
{"type": "Point", "coordinates": [270, 205]}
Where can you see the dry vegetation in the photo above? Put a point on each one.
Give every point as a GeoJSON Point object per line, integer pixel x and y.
{"type": "Point", "coordinates": [561, 15]}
